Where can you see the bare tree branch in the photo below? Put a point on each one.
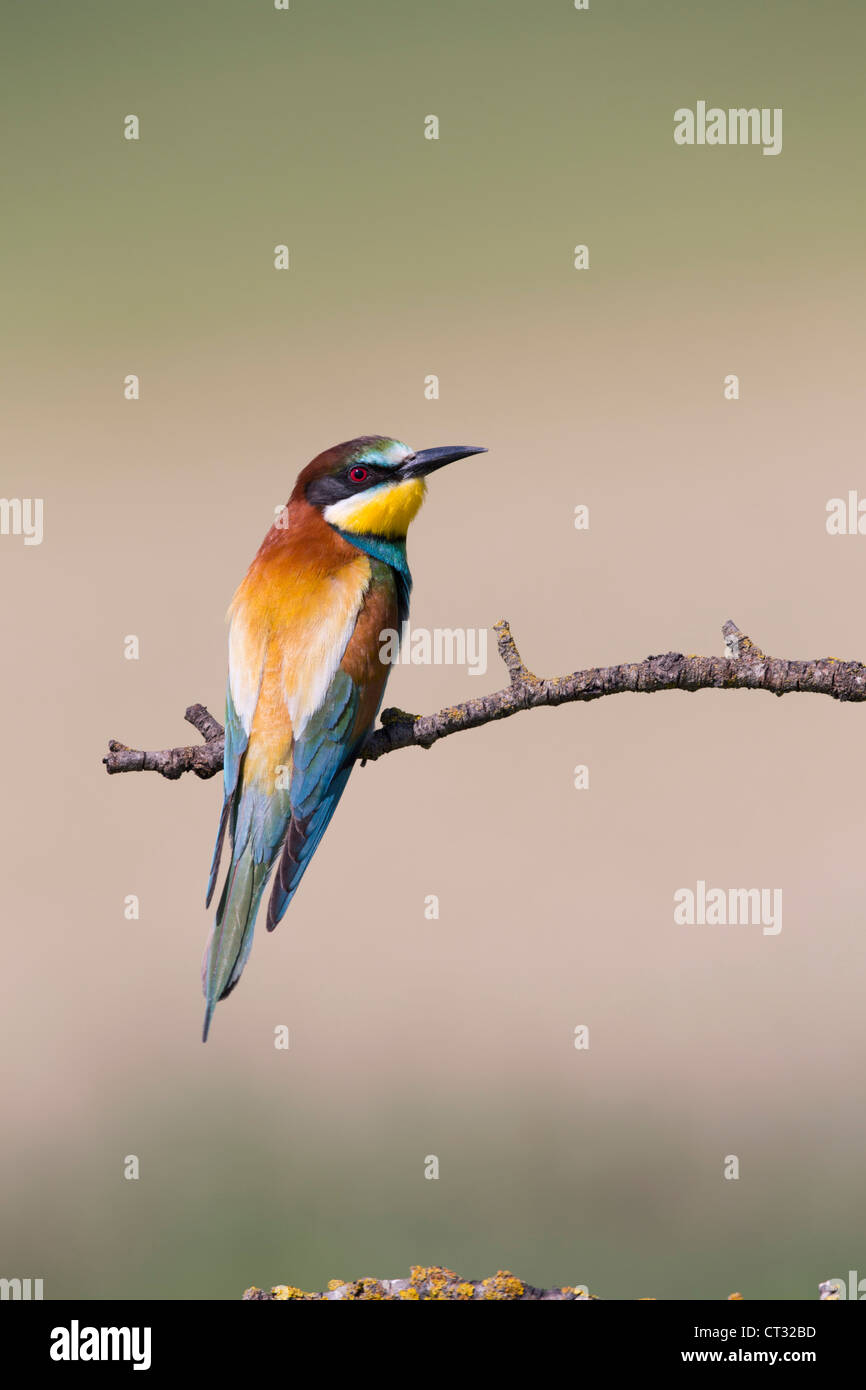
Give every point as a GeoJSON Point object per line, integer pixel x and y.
{"type": "Point", "coordinates": [744, 668]}
{"type": "Point", "coordinates": [205, 759]}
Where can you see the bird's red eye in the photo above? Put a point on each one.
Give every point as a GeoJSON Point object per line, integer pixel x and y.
{"type": "Point", "coordinates": [358, 474]}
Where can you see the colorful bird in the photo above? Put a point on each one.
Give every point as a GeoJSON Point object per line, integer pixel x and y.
{"type": "Point", "coordinates": [306, 677]}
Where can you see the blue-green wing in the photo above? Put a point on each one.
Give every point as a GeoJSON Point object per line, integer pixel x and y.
{"type": "Point", "coordinates": [322, 759]}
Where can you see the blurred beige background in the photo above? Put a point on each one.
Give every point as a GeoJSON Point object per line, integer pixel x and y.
{"type": "Point", "coordinates": [603, 387]}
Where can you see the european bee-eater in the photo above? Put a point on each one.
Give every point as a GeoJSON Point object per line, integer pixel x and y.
{"type": "Point", "coordinates": [306, 677]}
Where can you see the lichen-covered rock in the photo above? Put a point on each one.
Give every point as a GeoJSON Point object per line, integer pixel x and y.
{"type": "Point", "coordinates": [431, 1281]}
{"type": "Point", "coordinates": [426, 1282]}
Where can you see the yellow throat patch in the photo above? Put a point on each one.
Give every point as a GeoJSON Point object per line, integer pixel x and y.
{"type": "Point", "coordinates": [384, 511]}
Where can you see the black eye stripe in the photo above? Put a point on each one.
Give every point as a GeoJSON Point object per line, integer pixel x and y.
{"type": "Point", "coordinates": [322, 492]}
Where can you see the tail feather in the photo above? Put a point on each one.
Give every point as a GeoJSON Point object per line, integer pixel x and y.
{"type": "Point", "coordinates": [232, 937]}
{"type": "Point", "coordinates": [218, 848]}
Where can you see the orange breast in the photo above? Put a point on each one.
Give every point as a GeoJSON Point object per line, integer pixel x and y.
{"type": "Point", "coordinates": [292, 620]}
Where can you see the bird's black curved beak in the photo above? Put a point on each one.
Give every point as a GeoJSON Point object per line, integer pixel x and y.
{"type": "Point", "coordinates": [428, 460]}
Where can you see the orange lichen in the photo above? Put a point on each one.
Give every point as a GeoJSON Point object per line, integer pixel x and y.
{"type": "Point", "coordinates": [503, 1284]}
{"type": "Point", "coordinates": [425, 1283]}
